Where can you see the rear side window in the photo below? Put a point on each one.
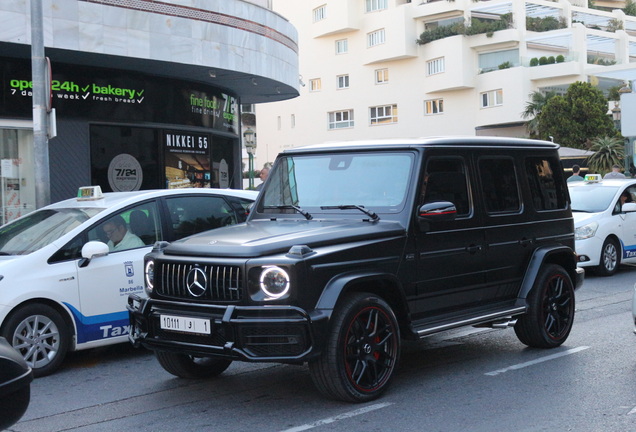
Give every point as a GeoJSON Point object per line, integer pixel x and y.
{"type": "Point", "coordinates": [546, 183]}
{"type": "Point", "coordinates": [499, 184]}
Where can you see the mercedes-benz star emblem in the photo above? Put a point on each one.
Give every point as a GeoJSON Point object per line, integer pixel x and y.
{"type": "Point", "coordinates": [196, 282]}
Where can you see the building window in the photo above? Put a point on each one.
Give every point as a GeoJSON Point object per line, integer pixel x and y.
{"type": "Point", "coordinates": [381, 76]}
{"type": "Point", "coordinates": [375, 38]}
{"type": "Point", "coordinates": [315, 85]}
{"type": "Point", "coordinates": [340, 119]}
{"type": "Point", "coordinates": [342, 46]}
{"type": "Point", "coordinates": [279, 124]}
{"type": "Point", "coordinates": [375, 5]}
{"type": "Point", "coordinates": [435, 66]}
{"type": "Point", "coordinates": [342, 81]}
{"type": "Point", "coordinates": [320, 13]}
{"type": "Point", "coordinates": [293, 121]}
{"type": "Point", "coordinates": [383, 114]}
{"type": "Point", "coordinates": [433, 106]}
{"type": "Point", "coordinates": [491, 98]}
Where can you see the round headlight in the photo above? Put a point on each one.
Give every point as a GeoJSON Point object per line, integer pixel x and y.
{"type": "Point", "coordinates": [149, 272]}
{"type": "Point", "coordinates": [274, 282]}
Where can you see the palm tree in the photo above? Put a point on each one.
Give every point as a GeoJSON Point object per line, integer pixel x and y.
{"type": "Point", "coordinates": [533, 108]}
{"type": "Point", "coordinates": [608, 151]}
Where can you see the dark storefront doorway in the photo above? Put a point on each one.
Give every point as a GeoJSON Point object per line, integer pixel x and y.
{"type": "Point", "coordinates": [125, 158]}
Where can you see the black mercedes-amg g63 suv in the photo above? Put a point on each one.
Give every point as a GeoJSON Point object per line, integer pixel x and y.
{"type": "Point", "coordinates": [352, 247]}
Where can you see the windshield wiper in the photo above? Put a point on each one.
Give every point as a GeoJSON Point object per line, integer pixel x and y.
{"type": "Point", "coordinates": [367, 212]}
{"type": "Point", "coordinates": [289, 206]}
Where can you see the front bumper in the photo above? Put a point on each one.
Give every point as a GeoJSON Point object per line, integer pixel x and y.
{"type": "Point", "coordinates": [285, 334]}
{"type": "Point", "coordinates": [579, 277]}
{"type": "Point", "coordinates": [589, 251]}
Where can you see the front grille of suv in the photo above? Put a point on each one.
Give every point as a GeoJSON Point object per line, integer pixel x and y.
{"type": "Point", "coordinates": [221, 282]}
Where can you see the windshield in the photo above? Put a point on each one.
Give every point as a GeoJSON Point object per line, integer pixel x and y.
{"type": "Point", "coordinates": [376, 181]}
{"type": "Point", "coordinates": [592, 199]}
{"type": "Point", "coordinates": [41, 228]}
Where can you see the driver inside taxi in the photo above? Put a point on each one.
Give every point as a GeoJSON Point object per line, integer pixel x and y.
{"type": "Point", "coordinates": [119, 237]}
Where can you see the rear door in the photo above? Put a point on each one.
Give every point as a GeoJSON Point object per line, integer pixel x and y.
{"type": "Point", "coordinates": [525, 200]}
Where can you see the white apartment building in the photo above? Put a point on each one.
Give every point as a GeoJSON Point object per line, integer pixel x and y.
{"type": "Point", "coordinates": [364, 76]}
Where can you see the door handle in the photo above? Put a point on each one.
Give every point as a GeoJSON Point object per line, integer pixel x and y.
{"type": "Point", "coordinates": [473, 249]}
{"type": "Point", "coordinates": [525, 242]}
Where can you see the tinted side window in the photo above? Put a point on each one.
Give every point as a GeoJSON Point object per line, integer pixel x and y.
{"type": "Point", "coordinates": [500, 185]}
{"type": "Point", "coordinates": [546, 183]}
{"type": "Point", "coordinates": [446, 180]}
{"type": "Point", "coordinates": [194, 214]}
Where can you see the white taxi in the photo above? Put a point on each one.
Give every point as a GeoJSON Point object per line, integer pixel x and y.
{"type": "Point", "coordinates": [604, 214]}
{"type": "Point", "coordinates": [66, 270]}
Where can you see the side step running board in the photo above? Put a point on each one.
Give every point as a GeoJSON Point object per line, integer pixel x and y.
{"type": "Point", "coordinates": [498, 319]}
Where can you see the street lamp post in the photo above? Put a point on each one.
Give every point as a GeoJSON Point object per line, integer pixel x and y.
{"type": "Point", "coordinates": [249, 141]}
{"type": "Point", "coordinates": [616, 115]}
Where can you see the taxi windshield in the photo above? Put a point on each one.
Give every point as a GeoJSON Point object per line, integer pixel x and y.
{"type": "Point", "coordinates": [377, 182]}
{"type": "Point", "coordinates": [592, 198]}
{"type": "Point", "coordinates": [41, 228]}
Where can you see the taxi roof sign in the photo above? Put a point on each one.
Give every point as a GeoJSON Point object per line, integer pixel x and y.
{"type": "Point", "coordinates": [86, 193]}
{"type": "Point", "coordinates": [593, 178]}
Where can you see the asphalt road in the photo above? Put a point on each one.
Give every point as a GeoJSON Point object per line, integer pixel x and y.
{"type": "Point", "coordinates": [476, 380]}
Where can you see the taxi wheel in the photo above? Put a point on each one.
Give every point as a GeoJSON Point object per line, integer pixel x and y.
{"type": "Point", "coordinates": [362, 350]}
{"type": "Point", "coordinates": [38, 332]}
{"type": "Point", "coordinates": [185, 366]}
{"type": "Point", "coordinates": [610, 258]}
{"type": "Point", "coordinates": [550, 315]}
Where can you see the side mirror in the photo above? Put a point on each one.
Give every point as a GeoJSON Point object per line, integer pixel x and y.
{"type": "Point", "coordinates": [93, 249]}
{"type": "Point", "coordinates": [439, 211]}
{"type": "Point", "coordinates": [628, 207]}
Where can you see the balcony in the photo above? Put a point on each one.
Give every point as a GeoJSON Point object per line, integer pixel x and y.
{"type": "Point", "coordinates": [341, 16]}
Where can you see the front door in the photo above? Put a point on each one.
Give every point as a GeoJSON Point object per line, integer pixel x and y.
{"type": "Point", "coordinates": [450, 254]}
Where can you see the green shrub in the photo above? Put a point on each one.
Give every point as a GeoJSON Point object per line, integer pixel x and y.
{"type": "Point", "coordinates": [539, 24]}
{"type": "Point", "coordinates": [560, 58]}
{"type": "Point", "coordinates": [534, 61]}
{"type": "Point", "coordinates": [543, 60]}
{"type": "Point", "coordinates": [440, 33]}
{"type": "Point", "coordinates": [505, 65]}
{"type": "Point", "coordinates": [551, 60]}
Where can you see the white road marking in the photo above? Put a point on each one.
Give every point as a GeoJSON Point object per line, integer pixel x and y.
{"type": "Point", "coordinates": [339, 417]}
{"type": "Point", "coordinates": [633, 411]}
{"type": "Point", "coordinates": [537, 361]}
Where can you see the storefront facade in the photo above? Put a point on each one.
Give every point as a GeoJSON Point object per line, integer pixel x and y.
{"type": "Point", "coordinates": [143, 123]}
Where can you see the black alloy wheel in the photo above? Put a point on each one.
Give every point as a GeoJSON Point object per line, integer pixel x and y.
{"type": "Point", "coordinates": [362, 352]}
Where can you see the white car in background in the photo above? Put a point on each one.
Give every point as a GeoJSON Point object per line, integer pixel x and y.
{"type": "Point", "coordinates": [62, 288]}
{"type": "Point", "coordinates": [604, 224]}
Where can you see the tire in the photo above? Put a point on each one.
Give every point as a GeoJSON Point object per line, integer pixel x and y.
{"type": "Point", "coordinates": [38, 332]}
{"type": "Point", "coordinates": [362, 350]}
{"type": "Point", "coordinates": [185, 366]}
{"type": "Point", "coordinates": [610, 258]}
{"type": "Point", "coordinates": [550, 314]}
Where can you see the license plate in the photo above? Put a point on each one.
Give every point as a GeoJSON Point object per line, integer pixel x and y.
{"type": "Point", "coordinates": [185, 324]}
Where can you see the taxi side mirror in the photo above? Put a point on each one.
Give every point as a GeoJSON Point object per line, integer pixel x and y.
{"type": "Point", "coordinates": [628, 208]}
{"type": "Point", "coordinates": [93, 249]}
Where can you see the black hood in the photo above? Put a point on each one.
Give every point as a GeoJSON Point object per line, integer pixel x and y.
{"type": "Point", "coordinates": [265, 237]}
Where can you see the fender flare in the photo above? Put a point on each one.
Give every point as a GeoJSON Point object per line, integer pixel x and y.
{"type": "Point", "coordinates": [340, 284]}
{"type": "Point", "coordinates": [559, 254]}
